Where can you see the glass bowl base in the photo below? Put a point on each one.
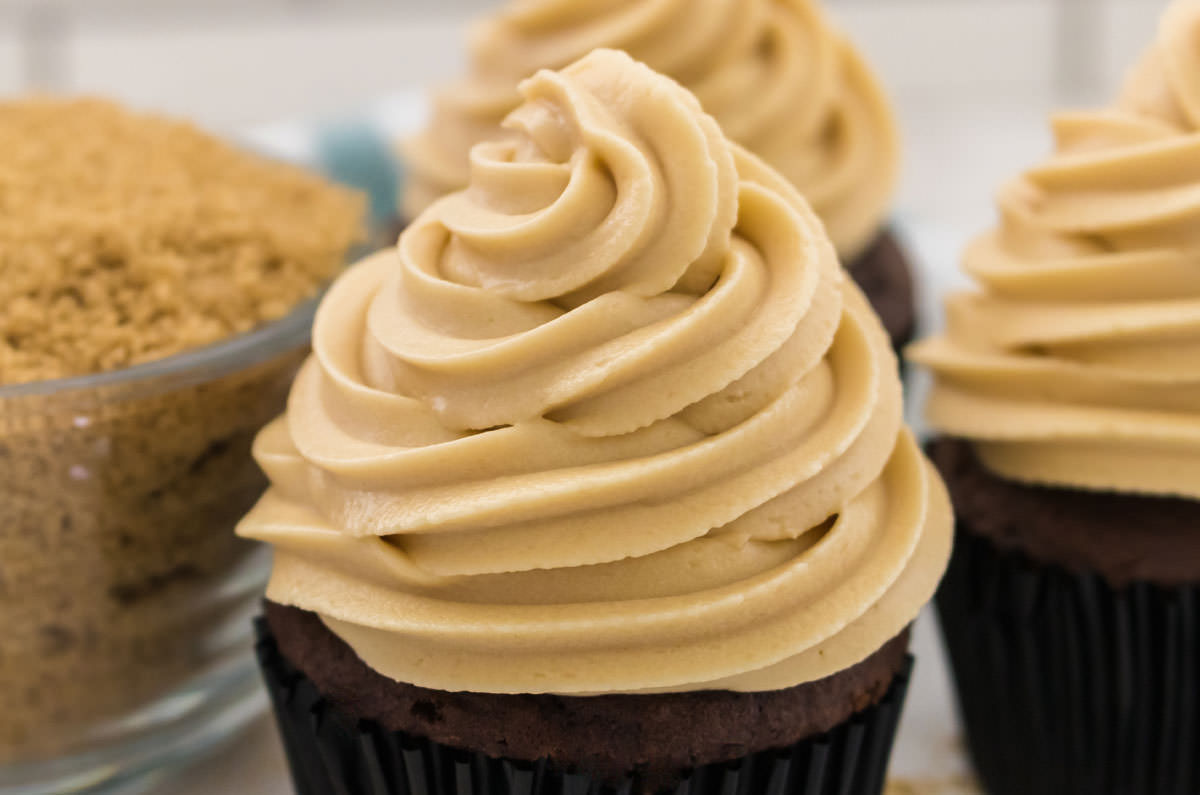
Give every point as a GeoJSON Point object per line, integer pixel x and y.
{"type": "Point", "coordinates": [179, 729]}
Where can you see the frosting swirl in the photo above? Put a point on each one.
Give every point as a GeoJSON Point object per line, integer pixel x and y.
{"type": "Point", "coordinates": [610, 420]}
{"type": "Point", "coordinates": [775, 74]}
{"type": "Point", "coordinates": [1078, 363]}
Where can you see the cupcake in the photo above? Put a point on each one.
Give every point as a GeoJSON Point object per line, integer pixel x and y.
{"type": "Point", "coordinates": [599, 479]}
{"type": "Point", "coordinates": [777, 76]}
{"type": "Point", "coordinates": [1068, 401]}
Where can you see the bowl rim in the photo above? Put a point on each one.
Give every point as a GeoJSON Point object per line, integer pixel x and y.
{"type": "Point", "coordinates": [194, 364]}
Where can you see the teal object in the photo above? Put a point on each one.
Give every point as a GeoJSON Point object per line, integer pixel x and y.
{"type": "Point", "coordinates": [359, 155]}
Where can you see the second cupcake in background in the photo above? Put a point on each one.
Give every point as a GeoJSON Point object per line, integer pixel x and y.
{"type": "Point", "coordinates": [775, 74]}
{"type": "Point", "coordinates": [1068, 396]}
{"type": "Point", "coordinates": [599, 479]}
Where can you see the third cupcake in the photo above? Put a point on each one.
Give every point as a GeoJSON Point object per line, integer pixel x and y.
{"type": "Point", "coordinates": [1068, 399]}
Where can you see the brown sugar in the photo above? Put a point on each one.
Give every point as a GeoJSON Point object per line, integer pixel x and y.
{"type": "Point", "coordinates": [126, 238]}
{"type": "Point", "coordinates": [117, 553]}
{"type": "Point", "coordinates": [952, 786]}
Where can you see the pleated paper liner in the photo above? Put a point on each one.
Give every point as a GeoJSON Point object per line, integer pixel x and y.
{"type": "Point", "coordinates": [332, 755]}
{"type": "Point", "coordinates": [1068, 686]}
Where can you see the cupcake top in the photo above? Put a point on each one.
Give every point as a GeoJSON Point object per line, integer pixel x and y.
{"type": "Point", "coordinates": [1077, 363]}
{"type": "Point", "coordinates": [609, 420]}
{"type": "Point", "coordinates": [125, 238]}
{"type": "Point", "coordinates": [775, 74]}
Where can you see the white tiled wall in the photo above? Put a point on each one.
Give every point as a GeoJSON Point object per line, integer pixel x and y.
{"type": "Point", "coordinates": [1127, 26]}
{"type": "Point", "coordinates": [942, 45]}
{"type": "Point", "coordinates": [973, 79]}
{"type": "Point", "coordinates": [11, 56]}
{"type": "Point", "coordinates": [233, 62]}
{"type": "Point", "coordinates": [305, 63]}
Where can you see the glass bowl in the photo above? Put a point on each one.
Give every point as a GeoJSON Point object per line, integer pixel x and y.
{"type": "Point", "coordinates": [125, 597]}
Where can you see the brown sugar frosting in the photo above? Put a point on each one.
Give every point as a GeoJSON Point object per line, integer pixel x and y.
{"type": "Point", "coordinates": [612, 419]}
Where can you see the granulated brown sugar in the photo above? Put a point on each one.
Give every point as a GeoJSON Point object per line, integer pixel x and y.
{"type": "Point", "coordinates": [952, 786]}
{"type": "Point", "coordinates": [126, 238]}
{"type": "Point", "coordinates": [117, 509]}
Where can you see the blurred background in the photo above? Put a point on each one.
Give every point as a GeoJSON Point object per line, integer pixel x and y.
{"type": "Point", "coordinates": [973, 79]}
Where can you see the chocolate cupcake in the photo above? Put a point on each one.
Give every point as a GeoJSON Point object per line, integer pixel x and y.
{"type": "Point", "coordinates": [599, 480]}
{"type": "Point", "coordinates": [777, 76]}
{"type": "Point", "coordinates": [1068, 396]}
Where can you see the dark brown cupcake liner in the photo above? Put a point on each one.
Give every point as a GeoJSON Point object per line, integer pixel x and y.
{"type": "Point", "coordinates": [1068, 686]}
{"type": "Point", "coordinates": [330, 754]}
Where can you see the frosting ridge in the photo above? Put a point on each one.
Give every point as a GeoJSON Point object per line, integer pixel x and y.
{"type": "Point", "coordinates": [777, 76]}
{"type": "Point", "coordinates": [1078, 362]}
{"type": "Point", "coordinates": [611, 419]}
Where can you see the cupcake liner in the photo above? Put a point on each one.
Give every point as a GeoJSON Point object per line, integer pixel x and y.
{"type": "Point", "coordinates": [330, 754]}
{"type": "Point", "coordinates": [1068, 686]}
